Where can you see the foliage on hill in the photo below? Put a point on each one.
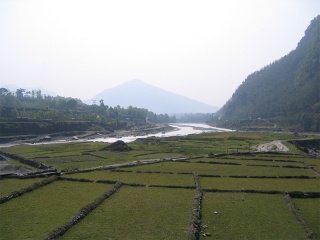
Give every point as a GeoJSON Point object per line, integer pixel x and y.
{"type": "Point", "coordinates": [29, 113]}
{"type": "Point", "coordinates": [194, 117]}
{"type": "Point", "coordinates": [284, 94]}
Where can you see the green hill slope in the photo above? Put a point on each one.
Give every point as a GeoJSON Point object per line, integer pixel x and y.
{"type": "Point", "coordinates": [284, 94]}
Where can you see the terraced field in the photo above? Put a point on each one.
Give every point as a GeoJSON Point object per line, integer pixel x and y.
{"type": "Point", "coordinates": [175, 195]}
{"type": "Point", "coordinates": [138, 213]}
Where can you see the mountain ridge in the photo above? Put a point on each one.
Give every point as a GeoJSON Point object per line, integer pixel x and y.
{"type": "Point", "coordinates": [140, 94]}
{"type": "Point", "coordinates": [284, 94]}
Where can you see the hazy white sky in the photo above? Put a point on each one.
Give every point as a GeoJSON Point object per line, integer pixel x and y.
{"type": "Point", "coordinates": [200, 49]}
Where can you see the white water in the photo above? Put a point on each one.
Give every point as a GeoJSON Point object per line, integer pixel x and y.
{"type": "Point", "coordinates": [182, 129]}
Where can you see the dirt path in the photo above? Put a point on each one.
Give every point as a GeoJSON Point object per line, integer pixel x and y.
{"type": "Point", "coordinates": [274, 146]}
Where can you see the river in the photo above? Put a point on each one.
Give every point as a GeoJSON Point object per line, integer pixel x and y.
{"type": "Point", "coordinates": [181, 129]}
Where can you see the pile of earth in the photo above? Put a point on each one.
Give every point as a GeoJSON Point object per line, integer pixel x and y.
{"type": "Point", "coordinates": [274, 146]}
{"type": "Point", "coordinates": [118, 146]}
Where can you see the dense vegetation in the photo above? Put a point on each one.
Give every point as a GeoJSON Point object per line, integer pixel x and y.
{"type": "Point", "coordinates": [282, 95]}
{"type": "Point", "coordinates": [194, 117]}
{"type": "Point", "coordinates": [25, 112]}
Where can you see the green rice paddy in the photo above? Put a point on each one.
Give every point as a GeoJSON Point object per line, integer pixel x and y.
{"type": "Point", "coordinates": [310, 211]}
{"type": "Point", "coordinates": [10, 185]}
{"type": "Point", "coordinates": [248, 216]}
{"type": "Point", "coordinates": [285, 185]}
{"type": "Point", "coordinates": [161, 206]}
{"type": "Point", "coordinates": [223, 170]}
{"type": "Point", "coordinates": [35, 214]}
{"type": "Point", "coordinates": [137, 178]}
{"type": "Point", "coordinates": [138, 213]}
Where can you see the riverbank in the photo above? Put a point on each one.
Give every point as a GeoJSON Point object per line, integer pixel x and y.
{"type": "Point", "coordinates": [160, 130]}
{"type": "Point", "coordinates": [65, 137]}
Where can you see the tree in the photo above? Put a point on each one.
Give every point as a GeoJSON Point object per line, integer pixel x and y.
{"type": "Point", "coordinates": [72, 103]}
{"type": "Point", "coordinates": [19, 93]}
{"type": "Point", "coordinates": [4, 91]}
{"type": "Point", "coordinates": [39, 96]}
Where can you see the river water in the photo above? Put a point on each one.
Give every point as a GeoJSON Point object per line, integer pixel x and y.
{"type": "Point", "coordinates": [181, 129]}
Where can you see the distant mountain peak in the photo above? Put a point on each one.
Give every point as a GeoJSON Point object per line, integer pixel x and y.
{"type": "Point", "coordinates": [135, 80]}
{"type": "Point", "coordinates": [137, 93]}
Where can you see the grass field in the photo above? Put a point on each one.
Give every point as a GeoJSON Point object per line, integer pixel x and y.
{"type": "Point", "coordinates": [10, 185]}
{"type": "Point", "coordinates": [223, 170]}
{"type": "Point", "coordinates": [138, 178]}
{"type": "Point", "coordinates": [312, 162]}
{"type": "Point", "coordinates": [35, 214]}
{"type": "Point", "coordinates": [310, 211]}
{"type": "Point", "coordinates": [164, 211]}
{"type": "Point", "coordinates": [254, 161]}
{"type": "Point", "coordinates": [138, 213]}
{"type": "Point", "coordinates": [248, 216]}
{"type": "Point", "coordinates": [70, 156]}
{"type": "Point", "coordinates": [76, 162]}
{"type": "Point", "coordinates": [285, 185]}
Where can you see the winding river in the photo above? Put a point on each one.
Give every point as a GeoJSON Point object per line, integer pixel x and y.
{"type": "Point", "coordinates": [181, 129]}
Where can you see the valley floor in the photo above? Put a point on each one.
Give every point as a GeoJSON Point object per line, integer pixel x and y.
{"type": "Point", "coordinates": [205, 186]}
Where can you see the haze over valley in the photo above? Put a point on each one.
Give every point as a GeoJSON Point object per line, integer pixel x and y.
{"type": "Point", "coordinates": [199, 50]}
{"type": "Point", "coordinates": [185, 65]}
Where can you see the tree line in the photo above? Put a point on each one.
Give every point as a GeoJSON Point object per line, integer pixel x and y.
{"type": "Point", "coordinates": [22, 105]}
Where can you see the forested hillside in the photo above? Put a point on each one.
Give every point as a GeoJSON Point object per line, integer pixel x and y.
{"type": "Point", "coordinates": [282, 95]}
{"type": "Point", "coordinates": [23, 112]}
